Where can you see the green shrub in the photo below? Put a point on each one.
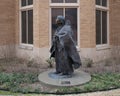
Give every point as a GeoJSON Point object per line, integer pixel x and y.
{"type": "Point", "coordinates": [88, 62]}
{"type": "Point", "coordinates": [50, 61]}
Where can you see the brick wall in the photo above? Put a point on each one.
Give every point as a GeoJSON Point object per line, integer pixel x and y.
{"type": "Point", "coordinates": [17, 24]}
{"type": "Point", "coordinates": [115, 22]}
{"type": "Point", "coordinates": [87, 24]}
{"type": "Point", "coordinates": [7, 22]}
{"type": "Point", "coordinates": [7, 28]}
{"type": "Point", "coordinates": [41, 23]}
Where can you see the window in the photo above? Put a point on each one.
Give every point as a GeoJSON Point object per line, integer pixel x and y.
{"type": "Point", "coordinates": [101, 2]}
{"type": "Point", "coordinates": [26, 2]}
{"type": "Point", "coordinates": [70, 13]}
{"type": "Point", "coordinates": [26, 11]}
{"type": "Point", "coordinates": [64, 1]}
{"type": "Point", "coordinates": [101, 22]}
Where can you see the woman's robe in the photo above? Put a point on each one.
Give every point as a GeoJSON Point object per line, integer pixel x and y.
{"type": "Point", "coordinates": [64, 50]}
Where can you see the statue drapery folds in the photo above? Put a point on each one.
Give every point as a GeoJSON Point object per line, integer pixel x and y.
{"type": "Point", "coordinates": [64, 49]}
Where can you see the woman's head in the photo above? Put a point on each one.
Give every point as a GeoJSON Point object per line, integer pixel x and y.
{"type": "Point", "coordinates": [60, 20]}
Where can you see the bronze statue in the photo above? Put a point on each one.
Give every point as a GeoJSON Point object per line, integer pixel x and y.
{"type": "Point", "coordinates": [63, 48]}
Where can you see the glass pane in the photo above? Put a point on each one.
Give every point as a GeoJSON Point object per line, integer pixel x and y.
{"type": "Point", "coordinates": [55, 13]}
{"type": "Point", "coordinates": [30, 2]}
{"type": "Point", "coordinates": [98, 2]}
{"type": "Point", "coordinates": [30, 26]}
{"type": "Point", "coordinates": [98, 27]}
{"type": "Point", "coordinates": [71, 14]}
{"type": "Point", "coordinates": [70, 1]}
{"type": "Point", "coordinates": [57, 1]}
{"type": "Point", "coordinates": [23, 25]}
{"type": "Point", "coordinates": [104, 27]}
{"type": "Point", "coordinates": [104, 3]}
{"type": "Point", "coordinates": [23, 2]}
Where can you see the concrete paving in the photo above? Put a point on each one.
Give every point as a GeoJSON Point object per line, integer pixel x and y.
{"type": "Point", "coordinates": [78, 78]}
{"type": "Point", "coordinates": [103, 93]}
{"type": "Point", "coordinates": [115, 92]}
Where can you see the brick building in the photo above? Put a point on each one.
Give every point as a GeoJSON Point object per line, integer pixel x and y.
{"type": "Point", "coordinates": [26, 27]}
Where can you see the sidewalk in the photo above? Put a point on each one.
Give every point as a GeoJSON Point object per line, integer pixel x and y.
{"type": "Point", "coordinates": [103, 93]}
{"type": "Point", "coordinates": [115, 92]}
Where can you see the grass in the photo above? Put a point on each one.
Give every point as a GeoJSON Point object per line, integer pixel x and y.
{"type": "Point", "coordinates": [18, 82]}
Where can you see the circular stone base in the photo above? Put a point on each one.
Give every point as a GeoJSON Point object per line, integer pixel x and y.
{"type": "Point", "coordinates": [77, 78]}
{"type": "Point", "coordinates": [58, 76]}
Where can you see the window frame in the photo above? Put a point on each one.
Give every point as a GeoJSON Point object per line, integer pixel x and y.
{"type": "Point", "coordinates": [65, 5]}
{"type": "Point", "coordinates": [106, 9]}
{"type": "Point", "coordinates": [23, 8]}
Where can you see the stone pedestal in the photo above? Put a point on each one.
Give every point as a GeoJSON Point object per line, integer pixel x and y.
{"type": "Point", "coordinates": [52, 79]}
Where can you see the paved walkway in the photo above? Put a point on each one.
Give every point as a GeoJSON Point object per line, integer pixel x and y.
{"type": "Point", "coordinates": [104, 93]}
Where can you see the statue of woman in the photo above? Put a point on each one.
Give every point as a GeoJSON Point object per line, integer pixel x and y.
{"type": "Point", "coordinates": [63, 48]}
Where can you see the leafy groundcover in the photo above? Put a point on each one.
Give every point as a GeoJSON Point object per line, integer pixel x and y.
{"type": "Point", "coordinates": [28, 83]}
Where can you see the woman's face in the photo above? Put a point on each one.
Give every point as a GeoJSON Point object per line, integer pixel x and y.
{"type": "Point", "coordinates": [58, 22]}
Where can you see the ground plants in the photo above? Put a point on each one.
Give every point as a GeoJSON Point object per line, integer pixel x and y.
{"type": "Point", "coordinates": [99, 82]}
{"type": "Point", "coordinates": [88, 62]}
{"type": "Point", "coordinates": [51, 62]}
{"type": "Point", "coordinates": [16, 82]}
{"type": "Point", "coordinates": [19, 77]}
